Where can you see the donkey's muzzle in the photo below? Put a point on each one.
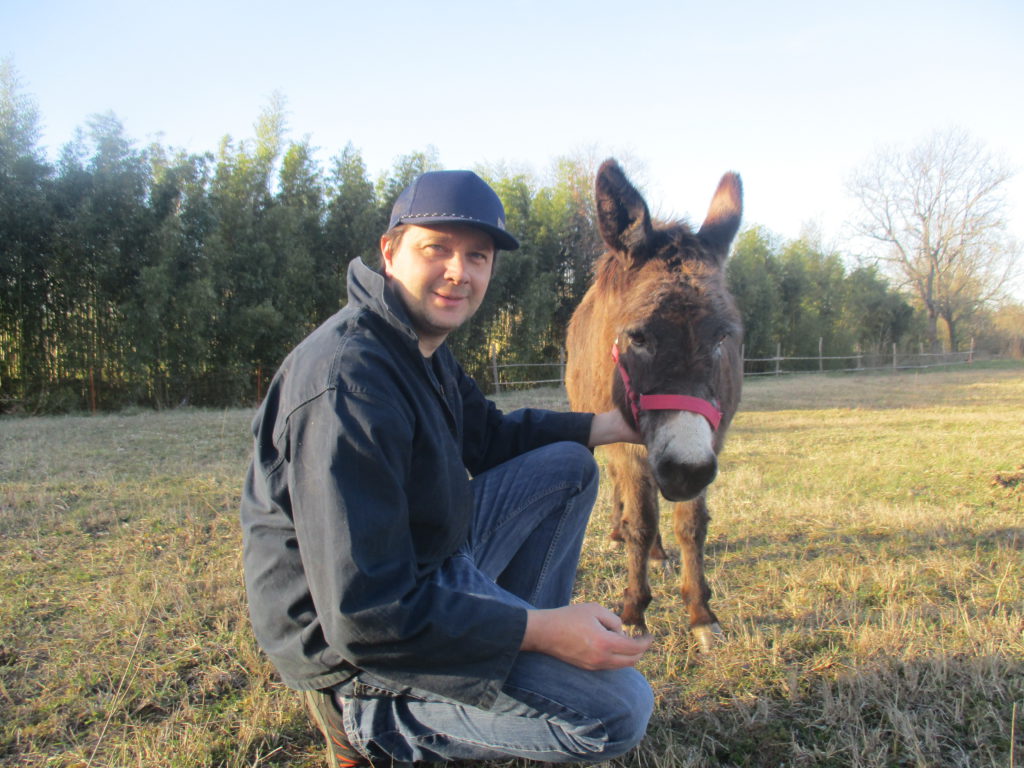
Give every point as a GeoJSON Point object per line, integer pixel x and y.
{"type": "Point", "coordinates": [683, 481]}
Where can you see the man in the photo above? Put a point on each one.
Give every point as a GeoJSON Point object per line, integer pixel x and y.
{"type": "Point", "coordinates": [409, 550]}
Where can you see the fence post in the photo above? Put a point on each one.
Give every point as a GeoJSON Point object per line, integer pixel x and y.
{"type": "Point", "coordinates": [821, 361]}
{"type": "Point", "coordinates": [894, 357]}
{"type": "Point", "coordinates": [743, 359]}
{"type": "Point", "coordinates": [561, 365]}
{"type": "Point", "coordinates": [494, 370]}
{"type": "Point", "coordinates": [778, 358]}
{"type": "Point", "coordinates": [970, 354]}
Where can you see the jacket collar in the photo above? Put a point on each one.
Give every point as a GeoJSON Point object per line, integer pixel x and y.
{"type": "Point", "coordinates": [368, 288]}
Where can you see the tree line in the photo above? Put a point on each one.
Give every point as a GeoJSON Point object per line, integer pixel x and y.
{"type": "Point", "coordinates": [152, 276]}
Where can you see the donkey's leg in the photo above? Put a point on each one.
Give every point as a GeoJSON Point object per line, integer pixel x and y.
{"type": "Point", "coordinates": [615, 534]}
{"type": "Point", "coordinates": [658, 554]}
{"type": "Point", "coordinates": [639, 529]}
{"type": "Point", "coordinates": [635, 467]}
{"type": "Point", "coordinates": [691, 527]}
{"type": "Point", "coordinates": [657, 550]}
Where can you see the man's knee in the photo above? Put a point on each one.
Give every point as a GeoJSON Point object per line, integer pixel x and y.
{"type": "Point", "coordinates": [628, 725]}
{"type": "Point", "coordinates": [617, 720]}
{"type": "Point", "coordinates": [573, 458]}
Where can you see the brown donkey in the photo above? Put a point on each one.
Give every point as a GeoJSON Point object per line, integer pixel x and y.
{"type": "Point", "coordinates": [658, 336]}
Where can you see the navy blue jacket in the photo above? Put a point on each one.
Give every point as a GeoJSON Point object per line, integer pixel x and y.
{"type": "Point", "coordinates": [359, 490]}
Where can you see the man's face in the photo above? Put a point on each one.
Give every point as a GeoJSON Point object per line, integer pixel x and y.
{"type": "Point", "coordinates": [441, 273]}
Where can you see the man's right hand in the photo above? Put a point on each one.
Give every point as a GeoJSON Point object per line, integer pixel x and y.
{"type": "Point", "coordinates": [586, 635]}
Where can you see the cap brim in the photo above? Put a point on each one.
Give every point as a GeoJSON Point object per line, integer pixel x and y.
{"type": "Point", "coordinates": [503, 241]}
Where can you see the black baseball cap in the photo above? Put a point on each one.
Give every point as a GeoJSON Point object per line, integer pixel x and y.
{"type": "Point", "coordinates": [453, 197]}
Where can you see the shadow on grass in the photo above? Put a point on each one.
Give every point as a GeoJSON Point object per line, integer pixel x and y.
{"type": "Point", "coordinates": [942, 710]}
{"type": "Point", "coordinates": [750, 550]}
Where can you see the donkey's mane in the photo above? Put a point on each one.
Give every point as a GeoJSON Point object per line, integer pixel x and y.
{"type": "Point", "coordinates": [673, 243]}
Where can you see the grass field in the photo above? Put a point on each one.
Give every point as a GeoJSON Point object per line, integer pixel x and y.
{"type": "Point", "coordinates": [866, 554]}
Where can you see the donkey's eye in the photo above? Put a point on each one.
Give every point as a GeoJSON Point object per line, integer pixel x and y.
{"type": "Point", "coordinates": [719, 347]}
{"type": "Point", "coordinates": [637, 338]}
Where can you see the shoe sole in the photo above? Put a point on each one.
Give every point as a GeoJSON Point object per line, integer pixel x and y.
{"type": "Point", "coordinates": [333, 758]}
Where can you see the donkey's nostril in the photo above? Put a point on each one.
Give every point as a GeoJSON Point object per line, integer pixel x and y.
{"type": "Point", "coordinates": [682, 482]}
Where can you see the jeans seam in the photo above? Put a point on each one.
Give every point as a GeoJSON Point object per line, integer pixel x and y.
{"type": "Point", "coordinates": [552, 489]}
{"type": "Point", "coordinates": [552, 548]}
{"type": "Point", "coordinates": [585, 748]}
{"type": "Point", "coordinates": [512, 515]}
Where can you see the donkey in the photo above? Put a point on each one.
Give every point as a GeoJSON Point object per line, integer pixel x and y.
{"type": "Point", "coordinates": [658, 336]}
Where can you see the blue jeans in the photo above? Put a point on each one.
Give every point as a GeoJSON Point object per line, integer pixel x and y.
{"type": "Point", "coordinates": [531, 516]}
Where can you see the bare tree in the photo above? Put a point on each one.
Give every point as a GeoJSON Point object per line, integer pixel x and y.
{"type": "Point", "coordinates": [936, 214]}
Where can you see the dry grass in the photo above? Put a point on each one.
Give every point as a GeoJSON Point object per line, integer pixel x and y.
{"type": "Point", "coordinates": [866, 553]}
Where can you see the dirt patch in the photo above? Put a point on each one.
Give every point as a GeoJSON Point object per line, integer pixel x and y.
{"type": "Point", "coordinates": [1009, 480]}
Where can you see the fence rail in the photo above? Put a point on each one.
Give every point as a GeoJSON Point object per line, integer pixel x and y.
{"type": "Point", "coordinates": [497, 367]}
{"type": "Point", "coordinates": [896, 360]}
{"type": "Point", "coordinates": [225, 388]}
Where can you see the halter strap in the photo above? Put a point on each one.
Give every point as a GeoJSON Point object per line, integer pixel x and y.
{"type": "Point", "coordinates": [638, 403]}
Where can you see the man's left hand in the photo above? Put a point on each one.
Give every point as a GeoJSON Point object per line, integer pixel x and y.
{"type": "Point", "coordinates": [611, 427]}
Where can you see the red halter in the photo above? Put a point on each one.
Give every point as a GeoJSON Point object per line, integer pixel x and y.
{"type": "Point", "coordinates": [664, 402]}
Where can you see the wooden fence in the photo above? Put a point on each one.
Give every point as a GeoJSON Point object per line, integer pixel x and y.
{"type": "Point", "coordinates": [557, 371]}
{"type": "Point", "coordinates": [554, 373]}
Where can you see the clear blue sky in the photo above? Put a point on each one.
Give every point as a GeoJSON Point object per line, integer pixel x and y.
{"type": "Point", "coordinates": [793, 95]}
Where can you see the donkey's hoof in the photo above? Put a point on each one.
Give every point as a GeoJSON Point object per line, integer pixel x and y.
{"type": "Point", "coordinates": [635, 630]}
{"type": "Point", "coordinates": [708, 636]}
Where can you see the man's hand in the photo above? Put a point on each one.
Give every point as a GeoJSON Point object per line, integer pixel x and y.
{"type": "Point", "coordinates": [611, 427]}
{"type": "Point", "coordinates": [586, 635]}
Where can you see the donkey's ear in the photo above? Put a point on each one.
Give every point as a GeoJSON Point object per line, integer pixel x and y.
{"type": "Point", "coordinates": [723, 219]}
{"type": "Point", "coordinates": [622, 215]}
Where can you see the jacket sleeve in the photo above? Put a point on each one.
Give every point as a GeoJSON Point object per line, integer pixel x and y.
{"type": "Point", "coordinates": [376, 603]}
{"type": "Point", "coordinates": [491, 437]}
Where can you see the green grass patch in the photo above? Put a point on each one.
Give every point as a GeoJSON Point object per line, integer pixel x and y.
{"type": "Point", "coordinates": [866, 553]}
